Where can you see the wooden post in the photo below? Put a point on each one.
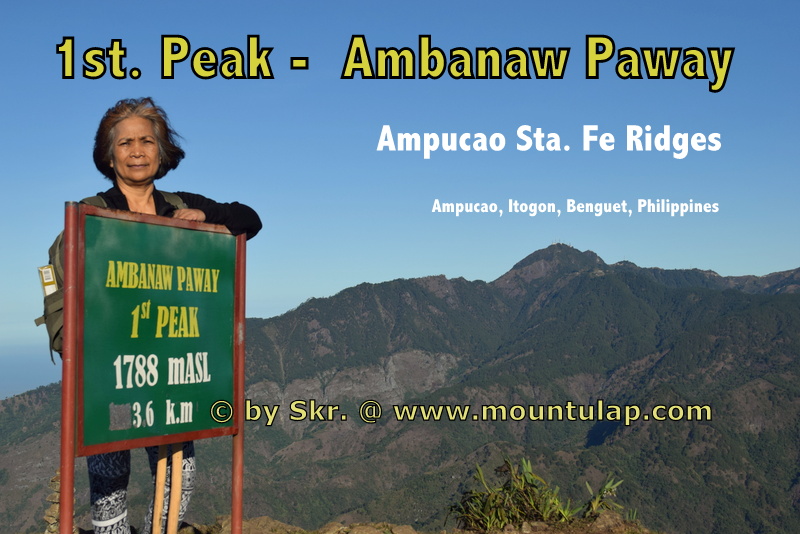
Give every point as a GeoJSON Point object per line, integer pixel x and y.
{"type": "Point", "coordinates": [67, 491]}
{"type": "Point", "coordinates": [175, 489]}
{"type": "Point", "coordinates": [158, 496]}
{"type": "Point", "coordinates": [237, 460]}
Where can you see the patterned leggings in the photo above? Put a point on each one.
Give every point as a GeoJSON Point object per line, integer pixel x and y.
{"type": "Point", "coordinates": [108, 483]}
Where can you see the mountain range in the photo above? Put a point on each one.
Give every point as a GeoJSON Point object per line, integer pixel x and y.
{"type": "Point", "coordinates": [561, 328]}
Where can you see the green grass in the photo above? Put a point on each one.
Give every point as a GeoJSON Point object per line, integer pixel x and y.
{"type": "Point", "coordinates": [526, 497]}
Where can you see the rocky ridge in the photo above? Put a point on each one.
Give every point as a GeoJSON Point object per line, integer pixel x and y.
{"type": "Point", "coordinates": [606, 523]}
{"type": "Point", "coordinates": [561, 326]}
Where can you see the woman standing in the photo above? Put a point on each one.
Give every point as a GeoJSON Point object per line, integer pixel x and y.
{"type": "Point", "coordinates": [135, 146]}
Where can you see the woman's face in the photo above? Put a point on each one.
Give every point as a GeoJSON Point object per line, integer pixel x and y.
{"type": "Point", "coordinates": [135, 160]}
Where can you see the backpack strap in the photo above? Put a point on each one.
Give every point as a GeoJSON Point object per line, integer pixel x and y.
{"type": "Point", "coordinates": [175, 200]}
{"type": "Point", "coordinates": [96, 200]}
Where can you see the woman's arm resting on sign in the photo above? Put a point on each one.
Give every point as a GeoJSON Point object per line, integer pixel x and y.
{"type": "Point", "coordinates": [189, 215]}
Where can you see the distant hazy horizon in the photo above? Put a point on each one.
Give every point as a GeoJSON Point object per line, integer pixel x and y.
{"type": "Point", "coordinates": [26, 370]}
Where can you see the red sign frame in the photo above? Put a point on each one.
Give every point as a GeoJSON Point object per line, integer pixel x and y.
{"type": "Point", "coordinates": [74, 248]}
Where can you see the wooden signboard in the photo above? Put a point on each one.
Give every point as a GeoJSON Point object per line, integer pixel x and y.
{"type": "Point", "coordinates": [153, 336]}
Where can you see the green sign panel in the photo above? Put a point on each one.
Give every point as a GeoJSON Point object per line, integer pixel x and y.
{"type": "Point", "coordinates": [158, 331]}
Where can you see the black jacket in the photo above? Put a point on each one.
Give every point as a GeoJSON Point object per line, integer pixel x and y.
{"type": "Point", "coordinates": [238, 218]}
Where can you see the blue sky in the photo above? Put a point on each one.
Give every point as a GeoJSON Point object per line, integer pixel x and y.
{"type": "Point", "coordinates": [301, 148]}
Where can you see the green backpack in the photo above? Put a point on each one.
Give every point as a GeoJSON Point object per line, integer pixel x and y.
{"type": "Point", "coordinates": [53, 317]}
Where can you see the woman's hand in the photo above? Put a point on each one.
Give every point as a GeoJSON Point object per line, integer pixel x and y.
{"type": "Point", "coordinates": [189, 215]}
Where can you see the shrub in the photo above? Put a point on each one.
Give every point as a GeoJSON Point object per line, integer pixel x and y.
{"type": "Point", "coordinates": [525, 496]}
